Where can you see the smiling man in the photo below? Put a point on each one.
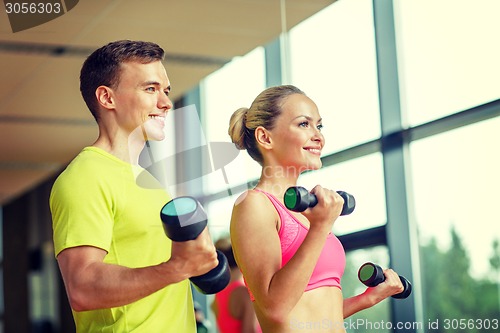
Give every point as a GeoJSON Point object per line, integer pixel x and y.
{"type": "Point", "coordinates": [121, 272]}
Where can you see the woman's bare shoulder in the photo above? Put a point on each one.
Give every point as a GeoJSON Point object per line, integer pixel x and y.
{"type": "Point", "coordinates": [253, 205]}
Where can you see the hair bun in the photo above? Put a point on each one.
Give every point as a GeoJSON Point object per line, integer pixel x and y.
{"type": "Point", "coordinates": [237, 128]}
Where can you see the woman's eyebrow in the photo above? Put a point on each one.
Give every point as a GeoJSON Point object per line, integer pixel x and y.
{"type": "Point", "coordinates": [308, 118]}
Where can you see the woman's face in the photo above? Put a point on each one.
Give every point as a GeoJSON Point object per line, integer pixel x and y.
{"type": "Point", "coordinates": [296, 139]}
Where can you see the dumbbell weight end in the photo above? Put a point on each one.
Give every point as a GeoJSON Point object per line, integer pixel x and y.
{"type": "Point", "coordinates": [371, 275]}
{"type": "Point", "coordinates": [215, 280]}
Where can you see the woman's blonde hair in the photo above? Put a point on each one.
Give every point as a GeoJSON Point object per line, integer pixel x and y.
{"type": "Point", "coordinates": [263, 112]}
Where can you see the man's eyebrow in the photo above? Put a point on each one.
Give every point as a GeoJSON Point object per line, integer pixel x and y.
{"type": "Point", "coordinates": [149, 83]}
{"type": "Point", "coordinates": [155, 83]}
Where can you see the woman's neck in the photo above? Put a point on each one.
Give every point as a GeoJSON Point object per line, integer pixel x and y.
{"type": "Point", "coordinates": [276, 180]}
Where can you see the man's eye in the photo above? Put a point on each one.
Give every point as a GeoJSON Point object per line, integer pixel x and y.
{"type": "Point", "coordinates": [152, 89]}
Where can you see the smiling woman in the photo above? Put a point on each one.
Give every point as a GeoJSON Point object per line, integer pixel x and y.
{"type": "Point", "coordinates": [298, 281]}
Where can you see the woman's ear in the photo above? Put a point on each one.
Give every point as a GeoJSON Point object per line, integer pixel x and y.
{"type": "Point", "coordinates": [263, 137]}
{"type": "Point", "coordinates": [105, 97]}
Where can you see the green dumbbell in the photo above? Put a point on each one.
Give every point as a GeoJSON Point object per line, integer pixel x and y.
{"type": "Point", "coordinates": [298, 199]}
{"type": "Point", "coordinates": [371, 275]}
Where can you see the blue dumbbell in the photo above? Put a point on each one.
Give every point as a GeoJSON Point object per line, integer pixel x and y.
{"type": "Point", "coordinates": [184, 219]}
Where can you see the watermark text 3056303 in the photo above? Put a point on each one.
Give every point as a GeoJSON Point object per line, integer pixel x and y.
{"type": "Point", "coordinates": [26, 14]}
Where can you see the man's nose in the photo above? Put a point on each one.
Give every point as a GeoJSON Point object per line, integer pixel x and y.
{"type": "Point", "coordinates": [164, 102]}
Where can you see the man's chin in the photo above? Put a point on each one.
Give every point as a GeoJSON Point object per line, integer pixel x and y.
{"type": "Point", "coordinates": [155, 134]}
{"type": "Point", "coordinates": [156, 137]}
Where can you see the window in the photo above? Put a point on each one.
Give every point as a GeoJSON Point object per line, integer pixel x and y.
{"type": "Point", "coordinates": [337, 69]}
{"type": "Point", "coordinates": [219, 216]}
{"type": "Point", "coordinates": [456, 182]}
{"type": "Point", "coordinates": [364, 179]}
{"type": "Point", "coordinates": [447, 56]}
{"type": "Point", "coordinates": [234, 86]}
{"type": "Point", "coordinates": [447, 62]}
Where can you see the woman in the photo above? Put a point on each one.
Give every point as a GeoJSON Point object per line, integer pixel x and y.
{"type": "Point", "coordinates": [291, 262]}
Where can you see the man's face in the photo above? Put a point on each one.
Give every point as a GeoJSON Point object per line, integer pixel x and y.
{"type": "Point", "coordinates": [141, 99]}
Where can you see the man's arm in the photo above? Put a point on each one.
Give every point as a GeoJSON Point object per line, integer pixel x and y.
{"type": "Point", "coordinates": [92, 284]}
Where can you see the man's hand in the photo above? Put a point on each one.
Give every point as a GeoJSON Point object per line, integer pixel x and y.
{"type": "Point", "coordinates": [195, 257]}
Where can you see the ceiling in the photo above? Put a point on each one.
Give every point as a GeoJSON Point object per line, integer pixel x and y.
{"type": "Point", "coordinates": [43, 120]}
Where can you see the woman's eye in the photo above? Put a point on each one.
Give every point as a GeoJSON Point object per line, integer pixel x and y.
{"type": "Point", "coordinates": [304, 124]}
{"type": "Point", "coordinates": [319, 127]}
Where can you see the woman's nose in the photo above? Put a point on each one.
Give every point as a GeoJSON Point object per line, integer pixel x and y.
{"type": "Point", "coordinates": [318, 136]}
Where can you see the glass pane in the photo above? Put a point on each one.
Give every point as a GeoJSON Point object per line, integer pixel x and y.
{"type": "Point", "coordinates": [456, 181]}
{"type": "Point", "coordinates": [233, 86]}
{"type": "Point", "coordinates": [364, 179]}
{"type": "Point", "coordinates": [376, 318]}
{"type": "Point", "coordinates": [332, 56]}
{"type": "Point", "coordinates": [448, 56]}
{"type": "Point", "coordinates": [219, 216]}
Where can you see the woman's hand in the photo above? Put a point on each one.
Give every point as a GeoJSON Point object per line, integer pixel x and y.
{"type": "Point", "coordinates": [327, 210]}
{"type": "Point", "coordinates": [391, 286]}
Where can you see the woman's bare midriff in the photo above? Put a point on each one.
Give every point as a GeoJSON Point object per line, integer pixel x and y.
{"type": "Point", "coordinates": [319, 310]}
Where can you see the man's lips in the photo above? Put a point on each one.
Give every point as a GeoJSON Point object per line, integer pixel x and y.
{"type": "Point", "coordinates": [157, 117]}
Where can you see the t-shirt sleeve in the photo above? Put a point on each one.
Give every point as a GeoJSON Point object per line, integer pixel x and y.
{"type": "Point", "coordinates": [82, 212]}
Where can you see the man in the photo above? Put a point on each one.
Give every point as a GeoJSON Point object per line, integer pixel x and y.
{"type": "Point", "coordinates": [121, 272]}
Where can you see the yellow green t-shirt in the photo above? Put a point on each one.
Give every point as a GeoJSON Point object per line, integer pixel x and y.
{"type": "Point", "coordinates": [97, 202]}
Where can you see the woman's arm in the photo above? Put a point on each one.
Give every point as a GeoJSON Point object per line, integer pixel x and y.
{"type": "Point", "coordinates": [373, 295]}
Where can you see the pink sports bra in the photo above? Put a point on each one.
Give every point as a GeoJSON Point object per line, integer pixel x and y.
{"type": "Point", "coordinates": [331, 262]}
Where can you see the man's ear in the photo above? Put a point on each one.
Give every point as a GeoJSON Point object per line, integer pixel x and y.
{"type": "Point", "coordinates": [263, 137]}
{"type": "Point", "coordinates": [105, 97]}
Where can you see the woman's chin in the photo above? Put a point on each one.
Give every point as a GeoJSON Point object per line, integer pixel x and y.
{"type": "Point", "coordinates": [311, 167]}
{"type": "Point", "coordinates": [315, 166]}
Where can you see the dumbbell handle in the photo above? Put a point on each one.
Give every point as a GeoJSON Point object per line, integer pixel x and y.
{"type": "Point", "coordinates": [371, 275]}
{"type": "Point", "coordinates": [298, 199]}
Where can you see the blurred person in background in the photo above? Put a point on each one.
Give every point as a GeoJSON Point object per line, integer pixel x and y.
{"type": "Point", "coordinates": [232, 306]}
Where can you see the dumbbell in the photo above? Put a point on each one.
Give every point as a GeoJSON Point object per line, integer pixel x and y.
{"type": "Point", "coordinates": [184, 219]}
{"type": "Point", "coordinates": [371, 275]}
{"type": "Point", "coordinates": [298, 199]}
